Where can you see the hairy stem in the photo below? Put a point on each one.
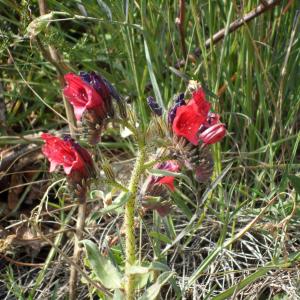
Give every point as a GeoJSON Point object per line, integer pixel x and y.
{"type": "Point", "coordinates": [129, 222]}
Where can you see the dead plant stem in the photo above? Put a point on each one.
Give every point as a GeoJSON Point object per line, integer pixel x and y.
{"type": "Point", "coordinates": [54, 58]}
{"type": "Point", "coordinates": [76, 252]}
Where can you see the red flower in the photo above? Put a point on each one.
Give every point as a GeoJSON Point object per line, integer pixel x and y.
{"type": "Point", "coordinates": [190, 117]}
{"type": "Point", "coordinates": [213, 134]}
{"type": "Point", "coordinates": [83, 96]}
{"type": "Point", "coordinates": [202, 105]}
{"type": "Point", "coordinates": [195, 122]}
{"type": "Point", "coordinates": [66, 153]}
{"type": "Point", "coordinates": [155, 191]}
{"type": "Point", "coordinates": [168, 181]}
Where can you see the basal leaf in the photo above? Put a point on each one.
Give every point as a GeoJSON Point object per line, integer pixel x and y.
{"type": "Point", "coordinates": [101, 265]}
{"type": "Point", "coordinates": [153, 291]}
{"type": "Point", "coordinates": [118, 295]}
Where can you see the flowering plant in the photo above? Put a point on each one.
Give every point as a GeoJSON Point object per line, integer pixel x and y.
{"type": "Point", "coordinates": [192, 126]}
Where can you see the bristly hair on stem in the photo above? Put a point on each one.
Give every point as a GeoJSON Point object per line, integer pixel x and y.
{"type": "Point", "coordinates": [129, 222]}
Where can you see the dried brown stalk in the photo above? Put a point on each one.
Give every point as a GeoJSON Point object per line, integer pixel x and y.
{"type": "Point", "coordinates": [218, 36]}
{"type": "Point", "coordinates": [54, 58]}
{"type": "Point", "coordinates": [180, 23]}
{"type": "Point", "coordinates": [19, 263]}
{"type": "Point", "coordinates": [95, 284]}
{"type": "Point", "coordinates": [76, 254]}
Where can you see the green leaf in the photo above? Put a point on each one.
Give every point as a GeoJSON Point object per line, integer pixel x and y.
{"type": "Point", "coordinates": [157, 93]}
{"type": "Point", "coordinates": [295, 180]}
{"type": "Point", "coordinates": [118, 295]}
{"type": "Point", "coordinates": [104, 269]}
{"type": "Point", "coordinates": [144, 275]}
{"type": "Point", "coordinates": [160, 236]}
{"type": "Point", "coordinates": [247, 281]}
{"type": "Point", "coordinates": [40, 24]}
{"type": "Point", "coordinates": [180, 200]}
{"type": "Point", "coordinates": [105, 8]}
{"type": "Point", "coordinates": [156, 265]}
{"type": "Point", "coordinates": [180, 74]}
{"type": "Point", "coordinates": [118, 202]}
{"type": "Point", "coordinates": [159, 172]}
{"type": "Point", "coordinates": [153, 291]}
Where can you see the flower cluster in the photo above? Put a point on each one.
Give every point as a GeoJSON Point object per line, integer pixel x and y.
{"type": "Point", "coordinates": [192, 123]}
{"type": "Point", "coordinates": [195, 122]}
{"type": "Point", "coordinates": [91, 97]}
{"type": "Point", "coordinates": [168, 181]}
{"type": "Point", "coordinates": [75, 160]}
{"type": "Point", "coordinates": [156, 189]}
{"type": "Point", "coordinates": [195, 127]}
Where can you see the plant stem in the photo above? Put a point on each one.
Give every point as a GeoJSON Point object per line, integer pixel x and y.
{"type": "Point", "coordinates": [54, 58]}
{"type": "Point", "coordinates": [180, 24]}
{"type": "Point", "coordinates": [94, 284]}
{"type": "Point", "coordinates": [76, 254]}
{"type": "Point", "coordinates": [39, 279]}
{"type": "Point", "coordinates": [129, 222]}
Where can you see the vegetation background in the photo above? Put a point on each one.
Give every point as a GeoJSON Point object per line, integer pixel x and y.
{"type": "Point", "coordinates": [152, 48]}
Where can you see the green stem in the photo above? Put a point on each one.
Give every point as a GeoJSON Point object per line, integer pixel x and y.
{"type": "Point", "coordinates": [129, 222]}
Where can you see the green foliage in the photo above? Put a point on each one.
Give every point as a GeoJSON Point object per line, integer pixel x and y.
{"type": "Point", "coordinates": [153, 291]}
{"type": "Point", "coordinates": [104, 269]}
{"type": "Point", "coordinates": [120, 201]}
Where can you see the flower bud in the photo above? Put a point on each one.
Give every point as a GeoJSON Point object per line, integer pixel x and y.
{"type": "Point", "coordinates": [156, 189]}
{"type": "Point", "coordinates": [179, 101]}
{"type": "Point", "coordinates": [154, 106]}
